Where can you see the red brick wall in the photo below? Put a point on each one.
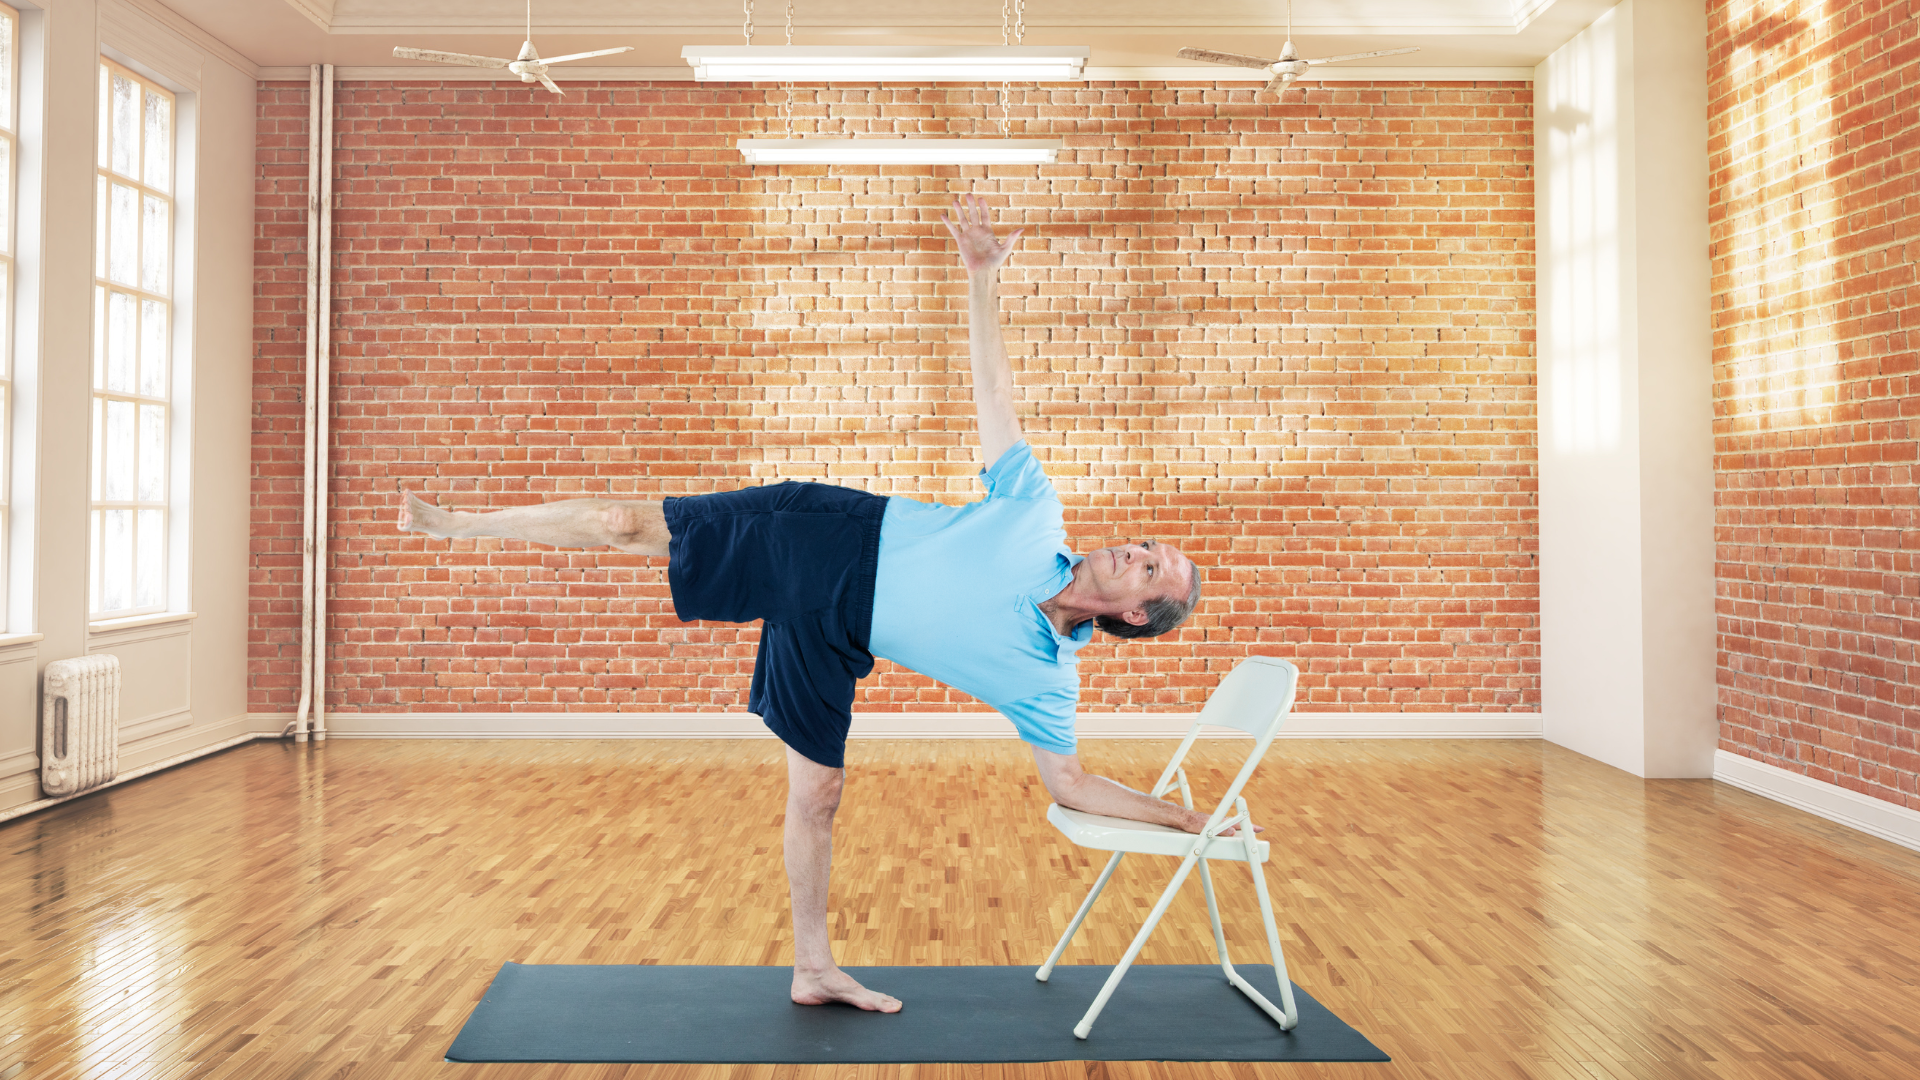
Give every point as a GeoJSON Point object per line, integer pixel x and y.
{"type": "Point", "coordinates": [1295, 339]}
{"type": "Point", "coordinates": [1815, 147]}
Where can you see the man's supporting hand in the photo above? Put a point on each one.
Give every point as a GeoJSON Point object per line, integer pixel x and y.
{"type": "Point", "coordinates": [1076, 789]}
{"type": "Point", "coordinates": [980, 251]}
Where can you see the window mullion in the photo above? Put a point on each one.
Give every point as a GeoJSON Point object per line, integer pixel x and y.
{"type": "Point", "coordinates": [140, 450]}
{"type": "Point", "coordinates": [144, 294]}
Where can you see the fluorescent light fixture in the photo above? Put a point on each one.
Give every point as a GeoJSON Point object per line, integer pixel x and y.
{"type": "Point", "coordinates": [878, 151]}
{"type": "Point", "coordinates": [885, 63]}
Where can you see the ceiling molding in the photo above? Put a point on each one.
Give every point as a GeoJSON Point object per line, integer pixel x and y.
{"type": "Point", "coordinates": [871, 18]}
{"type": "Point", "coordinates": [1129, 39]}
{"type": "Point", "coordinates": [206, 42]}
{"type": "Point", "coordinates": [148, 47]}
{"type": "Point", "coordinates": [320, 12]}
{"type": "Point", "coordinates": [932, 29]}
{"type": "Point", "coordinates": [1525, 11]}
{"type": "Point", "coordinates": [138, 39]}
{"type": "Point", "coordinates": [1193, 73]}
{"type": "Point", "coordinates": [1407, 73]}
{"type": "Point", "coordinates": [570, 73]}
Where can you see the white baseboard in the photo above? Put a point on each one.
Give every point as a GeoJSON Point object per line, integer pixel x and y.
{"type": "Point", "coordinates": [31, 782]}
{"type": "Point", "coordinates": [885, 725]}
{"type": "Point", "coordinates": [19, 761]}
{"type": "Point", "coordinates": [1875, 817]}
{"type": "Point", "coordinates": [153, 726]}
{"type": "Point", "coordinates": [18, 789]}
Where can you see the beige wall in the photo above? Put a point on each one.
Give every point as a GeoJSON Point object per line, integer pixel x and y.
{"type": "Point", "coordinates": [1626, 439]}
{"type": "Point", "coordinates": [184, 679]}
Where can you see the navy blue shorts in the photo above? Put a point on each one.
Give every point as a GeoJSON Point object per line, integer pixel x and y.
{"type": "Point", "coordinates": [801, 558]}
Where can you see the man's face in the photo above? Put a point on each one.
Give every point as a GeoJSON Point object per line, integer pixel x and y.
{"type": "Point", "coordinates": [1129, 575]}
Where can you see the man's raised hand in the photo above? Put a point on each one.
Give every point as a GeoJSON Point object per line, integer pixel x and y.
{"type": "Point", "coordinates": [980, 250]}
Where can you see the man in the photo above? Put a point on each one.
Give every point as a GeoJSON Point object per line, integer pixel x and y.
{"type": "Point", "coordinates": [984, 597]}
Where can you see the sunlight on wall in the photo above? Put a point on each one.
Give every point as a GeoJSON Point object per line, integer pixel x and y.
{"type": "Point", "coordinates": [1779, 254]}
{"type": "Point", "coordinates": [1579, 98]}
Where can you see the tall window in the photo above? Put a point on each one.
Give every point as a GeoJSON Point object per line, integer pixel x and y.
{"type": "Point", "coordinates": [132, 311]}
{"type": "Point", "coordinates": [9, 126]}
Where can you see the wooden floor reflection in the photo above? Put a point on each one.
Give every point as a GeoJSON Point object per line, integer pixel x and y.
{"type": "Point", "coordinates": [1477, 909]}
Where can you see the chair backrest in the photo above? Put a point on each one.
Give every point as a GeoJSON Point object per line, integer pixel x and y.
{"type": "Point", "coordinates": [1255, 697]}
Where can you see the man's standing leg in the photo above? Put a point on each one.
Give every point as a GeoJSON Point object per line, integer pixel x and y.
{"type": "Point", "coordinates": [813, 794]}
{"type": "Point", "coordinates": [813, 789]}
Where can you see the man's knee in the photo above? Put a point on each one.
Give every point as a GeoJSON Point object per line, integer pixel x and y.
{"type": "Point", "coordinates": [634, 523]}
{"type": "Point", "coordinates": [815, 792]}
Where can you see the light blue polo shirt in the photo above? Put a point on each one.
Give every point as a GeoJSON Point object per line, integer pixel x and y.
{"type": "Point", "coordinates": [958, 591]}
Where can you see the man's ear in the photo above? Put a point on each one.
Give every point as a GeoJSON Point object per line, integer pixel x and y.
{"type": "Point", "coordinates": [1136, 617]}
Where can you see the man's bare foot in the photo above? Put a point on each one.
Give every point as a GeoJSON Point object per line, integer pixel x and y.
{"type": "Point", "coordinates": [419, 516]}
{"type": "Point", "coordinates": [820, 987]}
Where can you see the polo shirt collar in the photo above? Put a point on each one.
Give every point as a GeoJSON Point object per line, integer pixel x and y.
{"type": "Point", "coordinates": [1065, 646]}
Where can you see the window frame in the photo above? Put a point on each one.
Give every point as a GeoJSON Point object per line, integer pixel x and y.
{"type": "Point", "coordinates": [105, 287]}
{"type": "Point", "coordinates": [8, 323]}
{"type": "Point", "coordinates": [9, 245]}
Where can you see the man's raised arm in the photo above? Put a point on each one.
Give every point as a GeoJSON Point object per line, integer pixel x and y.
{"type": "Point", "coordinates": [982, 255]}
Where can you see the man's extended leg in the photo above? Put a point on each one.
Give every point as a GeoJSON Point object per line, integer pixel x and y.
{"type": "Point", "coordinates": [636, 527]}
{"type": "Point", "coordinates": [813, 794]}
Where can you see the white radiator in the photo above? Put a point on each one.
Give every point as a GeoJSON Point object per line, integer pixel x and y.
{"type": "Point", "coordinates": [80, 724]}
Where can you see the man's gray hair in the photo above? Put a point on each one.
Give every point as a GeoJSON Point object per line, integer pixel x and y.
{"type": "Point", "coordinates": [1164, 613]}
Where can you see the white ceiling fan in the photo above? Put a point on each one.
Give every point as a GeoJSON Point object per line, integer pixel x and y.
{"type": "Point", "coordinates": [1289, 66]}
{"type": "Point", "coordinates": [527, 65]}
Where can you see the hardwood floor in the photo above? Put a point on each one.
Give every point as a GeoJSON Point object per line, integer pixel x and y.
{"type": "Point", "coordinates": [1477, 909]}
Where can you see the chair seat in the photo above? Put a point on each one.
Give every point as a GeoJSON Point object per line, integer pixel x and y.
{"type": "Point", "coordinates": [1121, 834]}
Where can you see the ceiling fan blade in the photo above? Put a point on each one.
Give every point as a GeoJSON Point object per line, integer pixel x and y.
{"type": "Point", "coordinates": [584, 55]}
{"type": "Point", "coordinates": [1362, 55]}
{"type": "Point", "coordinates": [438, 57]}
{"type": "Point", "coordinates": [549, 83]}
{"type": "Point", "coordinates": [1281, 82]}
{"type": "Point", "coordinates": [1233, 59]}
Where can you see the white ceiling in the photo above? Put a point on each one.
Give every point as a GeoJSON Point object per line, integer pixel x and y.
{"type": "Point", "coordinates": [1134, 38]}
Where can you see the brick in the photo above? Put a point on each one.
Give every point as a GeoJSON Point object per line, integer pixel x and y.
{"type": "Point", "coordinates": [1812, 264]}
{"type": "Point", "coordinates": [1295, 338]}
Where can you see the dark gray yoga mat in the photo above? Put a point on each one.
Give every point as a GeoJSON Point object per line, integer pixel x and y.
{"type": "Point", "coordinates": [726, 1015]}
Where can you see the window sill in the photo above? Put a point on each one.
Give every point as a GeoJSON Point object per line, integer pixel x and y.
{"type": "Point", "coordinates": [158, 618]}
{"type": "Point", "coordinates": [14, 641]}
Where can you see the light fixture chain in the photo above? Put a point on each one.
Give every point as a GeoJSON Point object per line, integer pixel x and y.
{"type": "Point", "coordinates": [786, 109]}
{"type": "Point", "coordinates": [747, 27]}
{"type": "Point", "coordinates": [789, 22]}
{"type": "Point", "coordinates": [1013, 31]}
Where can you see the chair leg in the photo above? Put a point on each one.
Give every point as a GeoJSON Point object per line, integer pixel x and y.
{"type": "Point", "coordinates": [1291, 1015]}
{"type": "Point", "coordinates": [1213, 915]}
{"type": "Point", "coordinates": [1085, 1025]}
{"type": "Point", "coordinates": [1073, 927]}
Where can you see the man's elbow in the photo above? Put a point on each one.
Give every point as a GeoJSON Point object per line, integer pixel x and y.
{"type": "Point", "coordinates": [1054, 769]}
{"type": "Point", "coordinates": [1062, 790]}
{"type": "Point", "coordinates": [1064, 785]}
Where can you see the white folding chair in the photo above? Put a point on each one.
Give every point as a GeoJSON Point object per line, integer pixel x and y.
{"type": "Point", "coordinates": [1255, 697]}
